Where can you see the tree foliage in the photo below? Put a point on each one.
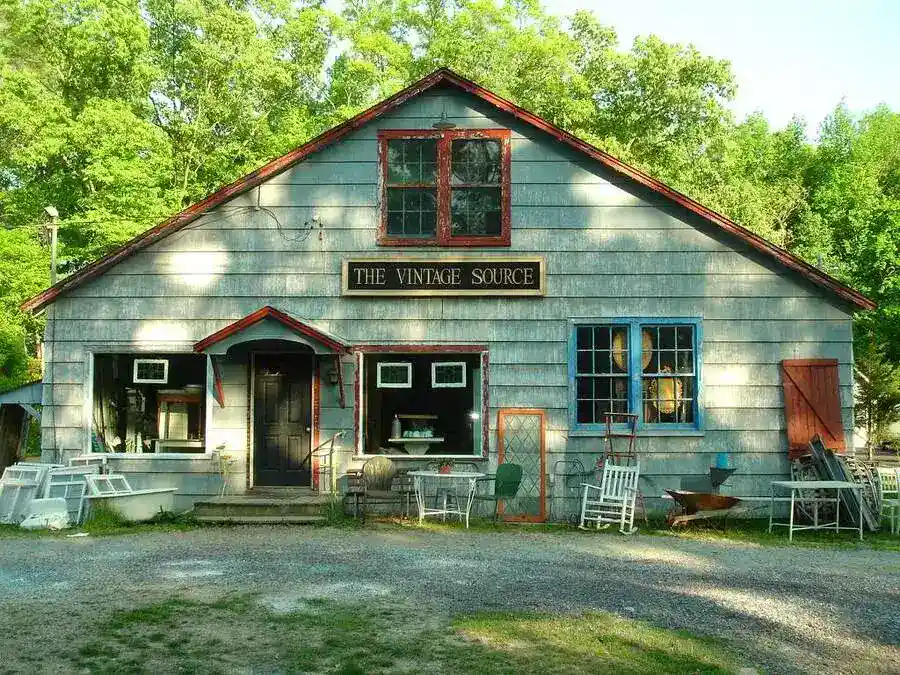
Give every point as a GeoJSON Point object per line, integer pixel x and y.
{"type": "Point", "coordinates": [121, 112]}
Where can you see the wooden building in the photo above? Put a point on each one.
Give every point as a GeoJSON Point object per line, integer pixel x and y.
{"type": "Point", "coordinates": [443, 265]}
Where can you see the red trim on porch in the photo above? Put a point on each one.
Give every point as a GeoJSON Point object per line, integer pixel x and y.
{"type": "Point", "coordinates": [268, 312]}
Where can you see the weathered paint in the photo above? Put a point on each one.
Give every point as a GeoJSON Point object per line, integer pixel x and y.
{"type": "Point", "coordinates": [611, 250]}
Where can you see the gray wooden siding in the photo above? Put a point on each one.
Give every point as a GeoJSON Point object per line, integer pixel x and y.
{"type": "Point", "coordinates": [611, 251]}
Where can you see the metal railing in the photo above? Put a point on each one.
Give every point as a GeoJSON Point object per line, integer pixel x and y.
{"type": "Point", "coordinates": [325, 453]}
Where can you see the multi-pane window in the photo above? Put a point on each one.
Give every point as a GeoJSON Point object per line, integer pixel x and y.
{"type": "Point", "coordinates": [667, 375]}
{"type": "Point", "coordinates": [642, 367]}
{"type": "Point", "coordinates": [411, 187]}
{"type": "Point", "coordinates": [446, 187]}
{"type": "Point", "coordinates": [475, 189]}
{"type": "Point", "coordinates": [601, 372]}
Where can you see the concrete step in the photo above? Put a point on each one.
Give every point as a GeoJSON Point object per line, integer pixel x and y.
{"type": "Point", "coordinates": [261, 520]}
{"type": "Point", "coordinates": [251, 506]}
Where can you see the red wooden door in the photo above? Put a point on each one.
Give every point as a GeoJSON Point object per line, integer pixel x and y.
{"type": "Point", "coordinates": [812, 404]}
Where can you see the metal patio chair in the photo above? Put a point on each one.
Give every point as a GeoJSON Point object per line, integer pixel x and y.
{"type": "Point", "coordinates": [506, 485]}
{"type": "Point", "coordinates": [613, 501]}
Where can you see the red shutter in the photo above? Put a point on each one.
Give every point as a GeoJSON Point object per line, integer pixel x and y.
{"type": "Point", "coordinates": [812, 404]}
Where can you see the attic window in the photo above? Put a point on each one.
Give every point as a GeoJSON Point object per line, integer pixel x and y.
{"type": "Point", "coordinates": [151, 371]}
{"type": "Point", "coordinates": [445, 188]}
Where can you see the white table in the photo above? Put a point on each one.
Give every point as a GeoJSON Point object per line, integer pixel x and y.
{"type": "Point", "coordinates": [797, 485]}
{"type": "Point", "coordinates": [455, 480]}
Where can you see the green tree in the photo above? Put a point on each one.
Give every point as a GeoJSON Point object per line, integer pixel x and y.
{"type": "Point", "coordinates": [878, 394]}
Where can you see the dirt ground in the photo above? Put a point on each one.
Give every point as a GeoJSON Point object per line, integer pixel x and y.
{"type": "Point", "coordinates": [83, 603]}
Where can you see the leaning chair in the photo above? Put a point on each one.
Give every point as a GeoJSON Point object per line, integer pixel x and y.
{"type": "Point", "coordinates": [506, 485]}
{"type": "Point", "coordinates": [613, 501]}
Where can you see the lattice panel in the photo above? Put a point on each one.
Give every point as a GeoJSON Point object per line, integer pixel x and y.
{"type": "Point", "coordinates": [521, 436]}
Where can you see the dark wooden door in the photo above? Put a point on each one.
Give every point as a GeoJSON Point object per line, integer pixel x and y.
{"type": "Point", "coordinates": [282, 414]}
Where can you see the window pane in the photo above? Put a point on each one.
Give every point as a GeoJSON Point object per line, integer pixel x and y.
{"type": "Point", "coordinates": [601, 351]}
{"type": "Point", "coordinates": [584, 387]}
{"type": "Point", "coordinates": [412, 161]}
{"type": "Point", "coordinates": [603, 387]}
{"type": "Point", "coordinates": [475, 162]}
{"type": "Point", "coordinates": [583, 337]}
{"type": "Point", "coordinates": [685, 362]}
{"type": "Point", "coordinates": [411, 212]}
{"type": "Point", "coordinates": [585, 412]}
{"type": "Point", "coordinates": [666, 337]}
{"type": "Point", "coordinates": [649, 345]}
{"type": "Point", "coordinates": [667, 350]}
{"type": "Point", "coordinates": [667, 361]}
{"type": "Point", "coordinates": [602, 362]}
{"type": "Point", "coordinates": [585, 362]}
{"type": "Point", "coordinates": [475, 212]}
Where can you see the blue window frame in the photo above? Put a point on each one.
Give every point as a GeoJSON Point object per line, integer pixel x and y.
{"type": "Point", "coordinates": [649, 367]}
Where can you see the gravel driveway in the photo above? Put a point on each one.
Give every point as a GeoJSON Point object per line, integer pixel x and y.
{"type": "Point", "coordinates": [788, 609]}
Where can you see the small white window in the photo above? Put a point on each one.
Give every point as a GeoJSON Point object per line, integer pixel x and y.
{"type": "Point", "coordinates": [448, 374]}
{"type": "Point", "coordinates": [151, 371]}
{"type": "Point", "coordinates": [395, 375]}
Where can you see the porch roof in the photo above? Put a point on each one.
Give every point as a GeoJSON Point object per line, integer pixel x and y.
{"type": "Point", "coordinates": [269, 323]}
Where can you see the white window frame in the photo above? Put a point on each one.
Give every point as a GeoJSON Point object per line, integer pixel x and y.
{"type": "Point", "coordinates": [395, 385]}
{"type": "Point", "coordinates": [142, 380]}
{"type": "Point", "coordinates": [447, 385]}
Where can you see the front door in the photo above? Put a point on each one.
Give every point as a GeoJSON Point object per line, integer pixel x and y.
{"type": "Point", "coordinates": [282, 413]}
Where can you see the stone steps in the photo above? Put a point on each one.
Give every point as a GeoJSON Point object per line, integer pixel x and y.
{"type": "Point", "coordinates": [262, 520]}
{"type": "Point", "coordinates": [291, 506]}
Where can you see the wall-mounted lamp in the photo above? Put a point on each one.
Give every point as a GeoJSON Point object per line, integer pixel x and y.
{"type": "Point", "coordinates": [333, 376]}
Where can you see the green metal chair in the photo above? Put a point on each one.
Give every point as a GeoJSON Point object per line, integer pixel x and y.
{"type": "Point", "coordinates": [506, 485]}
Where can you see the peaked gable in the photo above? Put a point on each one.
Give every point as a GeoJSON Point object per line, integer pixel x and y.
{"type": "Point", "coordinates": [445, 77]}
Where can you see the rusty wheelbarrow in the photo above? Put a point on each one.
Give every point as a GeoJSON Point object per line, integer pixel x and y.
{"type": "Point", "coordinates": [697, 505]}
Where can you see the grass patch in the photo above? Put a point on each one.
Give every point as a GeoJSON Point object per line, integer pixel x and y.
{"type": "Point", "coordinates": [756, 531]}
{"type": "Point", "coordinates": [594, 642]}
{"type": "Point", "coordinates": [103, 521]}
{"type": "Point", "coordinates": [337, 516]}
{"type": "Point", "coordinates": [242, 634]}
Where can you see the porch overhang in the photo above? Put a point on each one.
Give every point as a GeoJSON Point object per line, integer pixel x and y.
{"type": "Point", "coordinates": [269, 323]}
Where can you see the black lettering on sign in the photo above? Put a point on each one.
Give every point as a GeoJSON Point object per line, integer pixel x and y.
{"type": "Point", "coordinates": [448, 276]}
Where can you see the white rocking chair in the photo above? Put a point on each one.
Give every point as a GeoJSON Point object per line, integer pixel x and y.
{"type": "Point", "coordinates": [613, 501]}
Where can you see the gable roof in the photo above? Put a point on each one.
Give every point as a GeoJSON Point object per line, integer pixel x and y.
{"type": "Point", "coordinates": [445, 77]}
{"type": "Point", "coordinates": [333, 342]}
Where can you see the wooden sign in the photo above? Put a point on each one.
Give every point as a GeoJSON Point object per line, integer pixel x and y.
{"type": "Point", "coordinates": [445, 276]}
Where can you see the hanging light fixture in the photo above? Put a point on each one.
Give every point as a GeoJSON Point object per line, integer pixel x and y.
{"type": "Point", "coordinates": [444, 123]}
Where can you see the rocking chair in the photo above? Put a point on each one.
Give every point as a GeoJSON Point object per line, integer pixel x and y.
{"type": "Point", "coordinates": [613, 501]}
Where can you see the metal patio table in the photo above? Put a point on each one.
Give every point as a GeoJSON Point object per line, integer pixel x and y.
{"type": "Point", "coordinates": [796, 486]}
{"type": "Point", "coordinates": [455, 480]}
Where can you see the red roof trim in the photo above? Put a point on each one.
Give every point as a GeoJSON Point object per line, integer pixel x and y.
{"type": "Point", "coordinates": [443, 75]}
{"type": "Point", "coordinates": [268, 312]}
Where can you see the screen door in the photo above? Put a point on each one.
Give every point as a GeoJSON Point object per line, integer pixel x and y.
{"type": "Point", "coordinates": [521, 441]}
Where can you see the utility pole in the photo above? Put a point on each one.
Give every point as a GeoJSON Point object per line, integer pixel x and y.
{"type": "Point", "coordinates": [54, 229]}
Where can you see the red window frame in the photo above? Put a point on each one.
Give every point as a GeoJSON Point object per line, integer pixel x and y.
{"type": "Point", "coordinates": [444, 236]}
